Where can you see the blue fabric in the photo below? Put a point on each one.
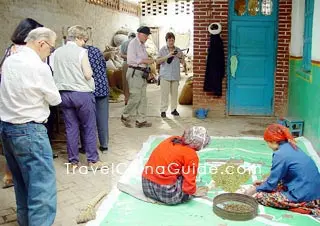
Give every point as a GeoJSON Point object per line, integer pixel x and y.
{"type": "Point", "coordinates": [29, 157]}
{"type": "Point", "coordinates": [99, 68]}
{"type": "Point", "coordinates": [102, 117]}
{"type": "Point", "coordinates": [79, 112]}
{"type": "Point", "coordinates": [124, 47]}
{"type": "Point", "coordinates": [297, 171]}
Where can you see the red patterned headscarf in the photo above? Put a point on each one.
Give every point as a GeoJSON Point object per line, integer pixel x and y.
{"type": "Point", "coordinates": [196, 137]}
{"type": "Point", "coordinates": [278, 133]}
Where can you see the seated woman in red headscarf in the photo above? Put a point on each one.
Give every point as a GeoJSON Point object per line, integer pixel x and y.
{"type": "Point", "coordinates": [294, 181]}
{"type": "Point", "coordinates": [170, 174]}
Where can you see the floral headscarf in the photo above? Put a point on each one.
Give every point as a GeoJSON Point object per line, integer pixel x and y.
{"type": "Point", "coordinates": [196, 137]}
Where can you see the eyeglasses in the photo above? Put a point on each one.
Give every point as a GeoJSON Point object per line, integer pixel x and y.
{"type": "Point", "coordinates": [52, 49]}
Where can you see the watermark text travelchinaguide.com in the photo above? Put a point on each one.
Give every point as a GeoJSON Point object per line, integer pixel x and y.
{"type": "Point", "coordinates": [173, 168]}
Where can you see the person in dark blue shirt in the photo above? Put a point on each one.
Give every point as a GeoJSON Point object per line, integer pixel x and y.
{"type": "Point", "coordinates": [294, 181]}
{"type": "Point", "coordinates": [101, 93]}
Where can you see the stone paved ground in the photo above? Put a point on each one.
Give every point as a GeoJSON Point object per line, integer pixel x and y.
{"type": "Point", "coordinates": [76, 190]}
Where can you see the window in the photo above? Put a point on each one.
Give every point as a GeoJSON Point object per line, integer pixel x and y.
{"type": "Point", "coordinates": [266, 7]}
{"type": "Point", "coordinates": [307, 37]}
{"type": "Point", "coordinates": [154, 8]}
{"type": "Point", "coordinates": [183, 7]}
{"type": "Point", "coordinates": [240, 7]}
{"type": "Point", "coordinates": [253, 7]}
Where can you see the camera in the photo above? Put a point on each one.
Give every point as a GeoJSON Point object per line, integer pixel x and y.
{"type": "Point", "coordinates": [175, 52]}
{"type": "Point", "coordinates": [146, 73]}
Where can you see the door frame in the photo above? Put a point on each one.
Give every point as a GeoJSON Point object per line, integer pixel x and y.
{"type": "Point", "coordinates": [155, 33]}
{"type": "Point", "coordinates": [276, 37]}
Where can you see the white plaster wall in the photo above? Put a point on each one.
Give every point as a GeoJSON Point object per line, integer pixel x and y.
{"type": "Point", "coordinates": [297, 29]}
{"type": "Point", "coordinates": [171, 22]}
{"type": "Point", "coordinates": [316, 31]}
{"type": "Point", "coordinates": [56, 14]}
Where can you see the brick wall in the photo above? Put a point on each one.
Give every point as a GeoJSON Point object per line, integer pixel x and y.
{"type": "Point", "coordinates": [207, 12]}
{"type": "Point", "coordinates": [282, 72]}
{"type": "Point", "coordinates": [59, 14]}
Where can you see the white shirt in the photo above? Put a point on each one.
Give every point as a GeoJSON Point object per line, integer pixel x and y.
{"type": "Point", "coordinates": [68, 72]}
{"type": "Point", "coordinates": [136, 53]}
{"type": "Point", "coordinates": [27, 88]}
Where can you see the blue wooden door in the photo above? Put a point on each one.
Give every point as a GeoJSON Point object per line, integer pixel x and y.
{"type": "Point", "coordinates": [251, 58]}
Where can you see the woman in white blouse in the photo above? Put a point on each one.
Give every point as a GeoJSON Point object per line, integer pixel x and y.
{"type": "Point", "coordinates": [169, 59]}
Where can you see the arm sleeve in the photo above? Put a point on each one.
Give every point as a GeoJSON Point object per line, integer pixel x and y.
{"type": "Point", "coordinates": [103, 62]}
{"type": "Point", "coordinates": [278, 171]}
{"type": "Point", "coordinates": [48, 87]}
{"type": "Point", "coordinates": [161, 53]}
{"type": "Point", "coordinates": [189, 174]}
{"type": "Point", "coordinates": [86, 67]}
{"type": "Point", "coordinates": [131, 53]}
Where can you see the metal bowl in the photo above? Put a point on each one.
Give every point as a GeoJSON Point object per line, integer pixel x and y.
{"type": "Point", "coordinates": [232, 215]}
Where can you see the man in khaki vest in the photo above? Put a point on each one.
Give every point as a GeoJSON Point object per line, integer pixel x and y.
{"type": "Point", "coordinates": [137, 73]}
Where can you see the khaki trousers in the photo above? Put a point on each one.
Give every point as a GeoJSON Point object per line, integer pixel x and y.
{"type": "Point", "coordinates": [137, 102]}
{"type": "Point", "coordinates": [169, 87]}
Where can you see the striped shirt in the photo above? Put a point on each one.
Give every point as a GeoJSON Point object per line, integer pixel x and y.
{"type": "Point", "coordinates": [170, 72]}
{"type": "Point", "coordinates": [136, 53]}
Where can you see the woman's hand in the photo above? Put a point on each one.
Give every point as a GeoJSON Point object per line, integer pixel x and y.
{"type": "Point", "coordinates": [179, 55]}
{"type": "Point", "coordinates": [250, 191]}
{"type": "Point", "coordinates": [201, 191]}
{"type": "Point", "coordinates": [258, 182]}
{"type": "Point", "coordinates": [170, 54]}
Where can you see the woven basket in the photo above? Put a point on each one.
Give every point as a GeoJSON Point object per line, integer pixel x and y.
{"type": "Point", "coordinates": [234, 197]}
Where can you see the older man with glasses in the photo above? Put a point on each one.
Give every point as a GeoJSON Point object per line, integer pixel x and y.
{"type": "Point", "coordinates": [137, 74]}
{"type": "Point", "coordinates": [27, 90]}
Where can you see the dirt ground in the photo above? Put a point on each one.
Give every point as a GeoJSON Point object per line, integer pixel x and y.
{"type": "Point", "coordinates": [76, 190]}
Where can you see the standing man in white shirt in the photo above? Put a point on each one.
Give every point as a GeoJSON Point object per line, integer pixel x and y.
{"type": "Point", "coordinates": [27, 90]}
{"type": "Point", "coordinates": [137, 59]}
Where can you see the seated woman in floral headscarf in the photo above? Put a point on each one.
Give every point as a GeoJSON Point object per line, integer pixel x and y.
{"type": "Point", "coordinates": [170, 174]}
{"type": "Point", "coordinates": [294, 181]}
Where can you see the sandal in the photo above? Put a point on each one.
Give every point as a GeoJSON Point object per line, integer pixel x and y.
{"type": "Point", "coordinates": [143, 124]}
{"type": "Point", "coordinates": [126, 122]}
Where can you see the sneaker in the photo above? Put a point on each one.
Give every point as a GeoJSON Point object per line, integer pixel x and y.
{"type": "Point", "coordinates": [143, 124]}
{"type": "Point", "coordinates": [126, 122]}
{"type": "Point", "coordinates": [163, 115]}
{"type": "Point", "coordinates": [175, 113]}
{"type": "Point", "coordinates": [97, 165]}
{"type": "Point", "coordinates": [102, 149]}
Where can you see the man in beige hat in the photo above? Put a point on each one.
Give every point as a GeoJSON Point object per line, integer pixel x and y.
{"type": "Point", "coordinates": [137, 74]}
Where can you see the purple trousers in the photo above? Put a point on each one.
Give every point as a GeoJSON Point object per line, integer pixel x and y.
{"type": "Point", "coordinates": [79, 112]}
